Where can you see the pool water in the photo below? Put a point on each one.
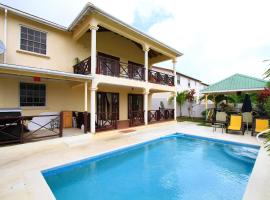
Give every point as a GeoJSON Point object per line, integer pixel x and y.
{"type": "Point", "coordinates": [175, 167]}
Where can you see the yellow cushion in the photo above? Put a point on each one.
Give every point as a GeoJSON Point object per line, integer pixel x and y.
{"type": "Point", "coordinates": [261, 125]}
{"type": "Point", "coordinates": [236, 128]}
{"type": "Point", "coordinates": [235, 122]}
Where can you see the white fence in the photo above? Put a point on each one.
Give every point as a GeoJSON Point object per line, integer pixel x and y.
{"type": "Point", "coordinates": [197, 109]}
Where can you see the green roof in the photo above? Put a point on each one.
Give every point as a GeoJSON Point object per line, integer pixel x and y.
{"type": "Point", "coordinates": [236, 83]}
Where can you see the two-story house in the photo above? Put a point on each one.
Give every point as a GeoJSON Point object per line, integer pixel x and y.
{"type": "Point", "coordinates": [183, 83]}
{"type": "Point", "coordinates": [98, 66]}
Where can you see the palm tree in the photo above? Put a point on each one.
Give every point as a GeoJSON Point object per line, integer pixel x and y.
{"type": "Point", "coordinates": [181, 98]}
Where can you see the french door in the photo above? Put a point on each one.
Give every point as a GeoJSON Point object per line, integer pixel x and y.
{"type": "Point", "coordinates": [135, 109]}
{"type": "Point", "coordinates": [107, 64]}
{"type": "Point", "coordinates": [107, 110]}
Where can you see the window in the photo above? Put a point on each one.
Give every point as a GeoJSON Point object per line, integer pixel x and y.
{"type": "Point", "coordinates": [178, 80]}
{"type": "Point", "coordinates": [188, 82]}
{"type": "Point", "coordinates": [32, 94]}
{"type": "Point", "coordinates": [33, 40]}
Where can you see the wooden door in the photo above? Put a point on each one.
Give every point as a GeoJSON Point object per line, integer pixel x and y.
{"type": "Point", "coordinates": [67, 119]}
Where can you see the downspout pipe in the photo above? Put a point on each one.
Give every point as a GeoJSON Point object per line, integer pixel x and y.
{"type": "Point", "coordinates": [5, 36]}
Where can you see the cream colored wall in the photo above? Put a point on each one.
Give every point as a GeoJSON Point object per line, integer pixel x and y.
{"type": "Point", "coordinates": [115, 45]}
{"type": "Point", "coordinates": [2, 32]}
{"type": "Point", "coordinates": [61, 48]}
{"type": "Point", "coordinates": [1, 24]}
{"type": "Point", "coordinates": [60, 95]}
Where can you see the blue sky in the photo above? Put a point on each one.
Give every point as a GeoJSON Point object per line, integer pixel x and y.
{"type": "Point", "coordinates": [218, 38]}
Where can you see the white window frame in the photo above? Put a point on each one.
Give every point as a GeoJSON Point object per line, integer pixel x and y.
{"type": "Point", "coordinates": [35, 29]}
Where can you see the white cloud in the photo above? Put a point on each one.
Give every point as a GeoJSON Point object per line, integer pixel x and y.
{"type": "Point", "coordinates": [218, 38]}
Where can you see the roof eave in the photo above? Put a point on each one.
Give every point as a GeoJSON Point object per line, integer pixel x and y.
{"type": "Point", "coordinates": [33, 17]}
{"type": "Point", "coordinates": [91, 7]}
{"type": "Point", "coordinates": [231, 91]}
{"type": "Point", "coordinates": [44, 71]}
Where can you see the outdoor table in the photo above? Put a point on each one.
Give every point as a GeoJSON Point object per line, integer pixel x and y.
{"type": "Point", "coordinates": [218, 124]}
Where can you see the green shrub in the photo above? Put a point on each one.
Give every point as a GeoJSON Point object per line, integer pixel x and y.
{"type": "Point", "coordinates": [267, 106]}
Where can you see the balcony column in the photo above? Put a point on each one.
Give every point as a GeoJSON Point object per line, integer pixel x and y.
{"type": "Point", "coordinates": [93, 110]}
{"type": "Point", "coordinates": [175, 91]}
{"type": "Point", "coordinates": [146, 49]}
{"type": "Point", "coordinates": [145, 104]}
{"type": "Point", "coordinates": [93, 48]}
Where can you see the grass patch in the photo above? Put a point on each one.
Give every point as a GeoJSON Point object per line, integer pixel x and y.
{"type": "Point", "coordinates": [200, 121]}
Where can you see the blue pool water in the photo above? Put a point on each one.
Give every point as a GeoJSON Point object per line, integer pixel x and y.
{"type": "Point", "coordinates": [175, 167]}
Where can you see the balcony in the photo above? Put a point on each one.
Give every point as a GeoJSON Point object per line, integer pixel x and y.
{"type": "Point", "coordinates": [112, 66]}
{"type": "Point", "coordinates": [160, 78]}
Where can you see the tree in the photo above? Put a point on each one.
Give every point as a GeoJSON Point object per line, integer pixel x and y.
{"type": "Point", "coordinates": [161, 105]}
{"type": "Point", "coordinates": [181, 98]}
{"type": "Point", "coordinates": [262, 100]}
{"type": "Point", "coordinates": [230, 98]}
{"type": "Point", "coordinates": [264, 97]}
{"type": "Point", "coordinates": [190, 98]}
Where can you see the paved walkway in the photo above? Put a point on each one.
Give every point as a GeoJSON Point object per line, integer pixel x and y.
{"type": "Point", "coordinates": [20, 165]}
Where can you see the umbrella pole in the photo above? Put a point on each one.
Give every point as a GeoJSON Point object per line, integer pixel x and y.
{"type": "Point", "coordinates": [247, 127]}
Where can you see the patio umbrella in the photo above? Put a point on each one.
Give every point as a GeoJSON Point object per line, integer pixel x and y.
{"type": "Point", "coordinates": [247, 107]}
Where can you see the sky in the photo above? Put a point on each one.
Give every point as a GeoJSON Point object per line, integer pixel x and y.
{"type": "Point", "coordinates": [217, 37]}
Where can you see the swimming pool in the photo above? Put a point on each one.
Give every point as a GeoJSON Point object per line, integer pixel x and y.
{"type": "Point", "coordinates": [178, 166]}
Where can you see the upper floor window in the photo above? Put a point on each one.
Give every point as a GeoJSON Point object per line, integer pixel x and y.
{"type": "Point", "coordinates": [178, 80]}
{"type": "Point", "coordinates": [33, 40]}
{"type": "Point", "coordinates": [32, 94]}
{"type": "Point", "coordinates": [188, 82]}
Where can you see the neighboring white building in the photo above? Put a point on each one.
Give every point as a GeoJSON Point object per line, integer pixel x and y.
{"type": "Point", "coordinates": [184, 82]}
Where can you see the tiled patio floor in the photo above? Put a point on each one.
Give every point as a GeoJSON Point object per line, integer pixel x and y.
{"type": "Point", "coordinates": [20, 165]}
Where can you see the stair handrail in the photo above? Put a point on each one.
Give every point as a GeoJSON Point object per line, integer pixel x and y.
{"type": "Point", "coordinates": [261, 133]}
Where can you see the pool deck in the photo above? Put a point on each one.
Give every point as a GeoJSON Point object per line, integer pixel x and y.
{"type": "Point", "coordinates": [20, 165]}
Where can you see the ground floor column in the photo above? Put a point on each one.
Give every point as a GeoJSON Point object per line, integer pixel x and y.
{"type": "Point", "coordinates": [85, 96]}
{"type": "Point", "coordinates": [85, 107]}
{"type": "Point", "coordinates": [146, 107]}
{"type": "Point", "coordinates": [93, 111]}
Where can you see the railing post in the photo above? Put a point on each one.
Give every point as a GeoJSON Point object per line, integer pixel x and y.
{"type": "Point", "coordinates": [158, 114]}
{"type": "Point", "coordinates": [146, 106]}
{"type": "Point", "coordinates": [21, 135]}
{"type": "Point", "coordinates": [85, 121]}
{"type": "Point", "coordinates": [115, 120]}
{"type": "Point", "coordinates": [61, 124]}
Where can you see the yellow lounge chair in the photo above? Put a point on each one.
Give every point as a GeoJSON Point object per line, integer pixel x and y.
{"type": "Point", "coordinates": [259, 125]}
{"type": "Point", "coordinates": [235, 124]}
